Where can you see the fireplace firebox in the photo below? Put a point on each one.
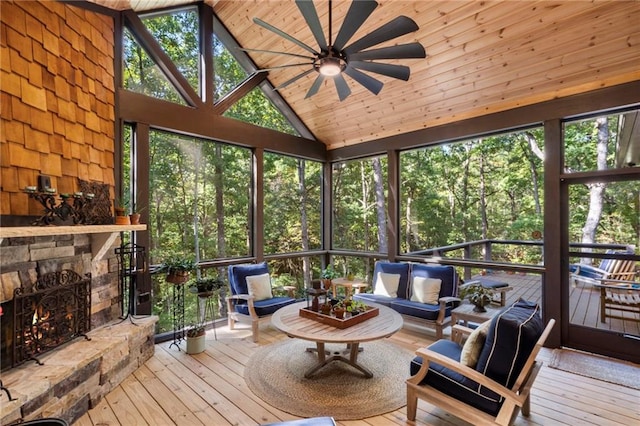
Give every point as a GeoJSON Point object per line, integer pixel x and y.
{"type": "Point", "coordinates": [52, 312]}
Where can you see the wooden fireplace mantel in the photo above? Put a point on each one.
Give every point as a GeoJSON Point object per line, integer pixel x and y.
{"type": "Point", "coordinates": [102, 238]}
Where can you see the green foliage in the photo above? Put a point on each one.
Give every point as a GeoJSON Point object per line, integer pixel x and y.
{"type": "Point", "coordinates": [476, 293]}
{"type": "Point", "coordinates": [328, 273]}
{"type": "Point", "coordinates": [177, 262]}
{"type": "Point", "coordinates": [206, 284]}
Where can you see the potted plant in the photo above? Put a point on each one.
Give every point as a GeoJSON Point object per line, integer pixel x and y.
{"type": "Point", "coordinates": [196, 339]}
{"type": "Point", "coordinates": [120, 209]}
{"type": "Point", "coordinates": [476, 294]}
{"type": "Point", "coordinates": [206, 286]}
{"type": "Point", "coordinates": [327, 275]}
{"type": "Point", "coordinates": [339, 309]}
{"type": "Point", "coordinates": [356, 307]}
{"type": "Point", "coordinates": [178, 268]}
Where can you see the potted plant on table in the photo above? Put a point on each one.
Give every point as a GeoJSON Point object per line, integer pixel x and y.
{"type": "Point", "coordinates": [476, 294]}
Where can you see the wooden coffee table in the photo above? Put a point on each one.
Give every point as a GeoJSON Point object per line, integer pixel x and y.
{"type": "Point", "coordinates": [289, 321]}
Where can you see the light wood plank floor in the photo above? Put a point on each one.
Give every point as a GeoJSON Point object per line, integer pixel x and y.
{"type": "Point", "coordinates": [173, 388]}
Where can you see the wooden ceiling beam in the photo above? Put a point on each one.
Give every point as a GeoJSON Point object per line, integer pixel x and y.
{"type": "Point", "coordinates": [239, 92]}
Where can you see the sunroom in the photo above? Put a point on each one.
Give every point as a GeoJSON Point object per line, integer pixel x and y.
{"type": "Point", "coordinates": [509, 152]}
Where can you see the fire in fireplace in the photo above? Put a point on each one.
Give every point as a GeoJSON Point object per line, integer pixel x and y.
{"type": "Point", "coordinates": [54, 311]}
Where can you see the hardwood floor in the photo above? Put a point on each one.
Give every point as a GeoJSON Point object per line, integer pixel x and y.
{"type": "Point", "coordinates": [174, 388]}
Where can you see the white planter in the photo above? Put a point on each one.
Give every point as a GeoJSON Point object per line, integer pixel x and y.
{"type": "Point", "coordinates": [195, 345]}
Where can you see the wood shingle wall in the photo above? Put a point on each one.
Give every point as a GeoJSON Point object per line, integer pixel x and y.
{"type": "Point", "coordinates": [57, 99]}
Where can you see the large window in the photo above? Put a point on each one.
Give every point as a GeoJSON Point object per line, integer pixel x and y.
{"type": "Point", "coordinates": [359, 213]}
{"type": "Point", "coordinates": [477, 189]}
{"type": "Point", "coordinates": [195, 207]}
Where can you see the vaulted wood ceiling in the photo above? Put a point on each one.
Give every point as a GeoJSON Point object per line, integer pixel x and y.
{"type": "Point", "coordinates": [483, 57]}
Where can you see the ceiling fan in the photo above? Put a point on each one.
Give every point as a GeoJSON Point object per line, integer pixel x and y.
{"type": "Point", "coordinates": [335, 57]}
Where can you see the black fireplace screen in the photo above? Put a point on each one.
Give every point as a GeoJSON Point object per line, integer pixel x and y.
{"type": "Point", "coordinates": [56, 310]}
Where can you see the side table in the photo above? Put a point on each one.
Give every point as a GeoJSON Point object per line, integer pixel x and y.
{"type": "Point", "coordinates": [355, 284]}
{"type": "Point", "coordinates": [465, 314]}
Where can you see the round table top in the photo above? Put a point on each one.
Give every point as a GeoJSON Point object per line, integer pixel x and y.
{"type": "Point", "coordinates": [289, 321]}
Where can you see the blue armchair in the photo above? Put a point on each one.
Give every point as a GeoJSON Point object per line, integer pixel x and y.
{"type": "Point", "coordinates": [252, 297]}
{"type": "Point", "coordinates": [488, 379]}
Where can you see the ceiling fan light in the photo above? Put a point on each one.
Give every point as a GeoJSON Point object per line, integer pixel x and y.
{"type": "Point", "coordinates": [330, 67]}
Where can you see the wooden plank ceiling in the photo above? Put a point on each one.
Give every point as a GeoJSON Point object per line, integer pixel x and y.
{"type": "Point", "coordinates": [482, 57]}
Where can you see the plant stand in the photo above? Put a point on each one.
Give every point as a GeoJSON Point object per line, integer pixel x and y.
{"type": "Point", "coordinates": [177, 309]}
{"type": "Point", "coordinates": [206, 308]}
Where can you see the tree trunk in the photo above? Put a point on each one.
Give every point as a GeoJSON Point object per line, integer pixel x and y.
{"type": "Point", "coordinates": [596, 190]}
{"type": "Point", "coordinates": [380, 205]}
{"type": "Point", "coordinates": [483, 201]}
{"type": "Point", "coordinates": [302, 193]}
{"type": "Point", "coordinates": [533, 146]}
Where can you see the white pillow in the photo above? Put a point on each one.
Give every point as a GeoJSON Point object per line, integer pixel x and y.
{"type": "Point", "coordinates": [387, 284]}
{"type": "Point", "coordinates": [426, 290]}
{"type": "Point", "coordinates": [259, 286]}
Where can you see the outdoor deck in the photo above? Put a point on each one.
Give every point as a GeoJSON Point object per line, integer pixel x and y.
{"type": "Point", "coordinates": [584, 302]}
{"type": "Point", "coordinates": [174, 388]}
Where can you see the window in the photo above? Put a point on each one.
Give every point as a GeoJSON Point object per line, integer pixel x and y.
{"type": "Point", "coordinates": [360, 205]}
{"type": "Point", "coordinates": [486, 188]}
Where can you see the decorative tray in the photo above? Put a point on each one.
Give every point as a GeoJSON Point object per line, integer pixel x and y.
{"type": "Point", "coordinates": [346, 322]}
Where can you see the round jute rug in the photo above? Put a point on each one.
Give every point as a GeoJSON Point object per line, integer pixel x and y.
{"type": "Point", "coordinates": [275, 373]}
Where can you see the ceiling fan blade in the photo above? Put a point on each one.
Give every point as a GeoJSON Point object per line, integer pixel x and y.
{"type": "Point", "coordinates": [297, 77]}
{"type": "Point", "coordinates": [372, 84]}
{"type": "Point", "coordinates": [401, 51]}
{"type": "Point", "coordinates": [315, 86]}
{"type": "Point", "coordinates": [310, 15]}
{"type": "Point", "coordinates": [400, 72]}
{"type": "Point", "coordinates": [284, 35]}
{"type": "Point", "coordinates": [276, 53]}
{"type": "Point", "coordinates": [358, 12]}
{"type": "Point", "coordinates": [341, 87]}
{"type": "Point", "coordinates": [278, 67]}
{"type": "Point", "coordinates": [395, 28]}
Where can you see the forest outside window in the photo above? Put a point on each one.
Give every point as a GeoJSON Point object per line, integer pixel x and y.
{"type": "Point", "coordinates": [476, 189]}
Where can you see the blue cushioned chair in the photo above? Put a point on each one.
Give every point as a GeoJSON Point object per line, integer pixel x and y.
{"type": "Point", "coordinates": [498, 387]}
{"type": "Point", "coordinates": [243, 307]}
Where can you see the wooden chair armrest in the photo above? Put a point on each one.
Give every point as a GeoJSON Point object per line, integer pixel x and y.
{"type": "Point", "coordinates": [618, 284]}
{"type": "Point", "coordinates": [431, 356]}
{"type": "Point", "coordinates": [449, 299]}
{"type": "Point", "coordinates": [232, 299]}
{"type": "Point", "coordinates": [459, 333]}
{"type": "Point", "coordinates": [246, 297]}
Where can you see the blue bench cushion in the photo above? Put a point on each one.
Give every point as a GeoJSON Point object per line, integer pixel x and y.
{"type": "Point", "coordinates": [446, 273]}
{"type": "Point", "coordinates": [452, 383]}
{"type": "Point", "coordinates": [512, 335]}
{"type": "Point", "coordinates": [399, 268]}
{"type": "Point", "coordinates": [265, 307]}
{"type": "Point", "coordinates": [489, 283]}
{"type": "Point", "coordinates": [238, 276]}
{"type": "Point", "coordinates": [417, 309]}
{"type": "Point", "coordinates": [374, 298]}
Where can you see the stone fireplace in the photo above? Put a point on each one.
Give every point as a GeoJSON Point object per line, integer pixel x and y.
{"type": "Point", "coordinates": [77, 374]}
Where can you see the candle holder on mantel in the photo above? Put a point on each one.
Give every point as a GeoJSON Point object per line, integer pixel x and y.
{"type": "Point", "coordinates": [67, 207]}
